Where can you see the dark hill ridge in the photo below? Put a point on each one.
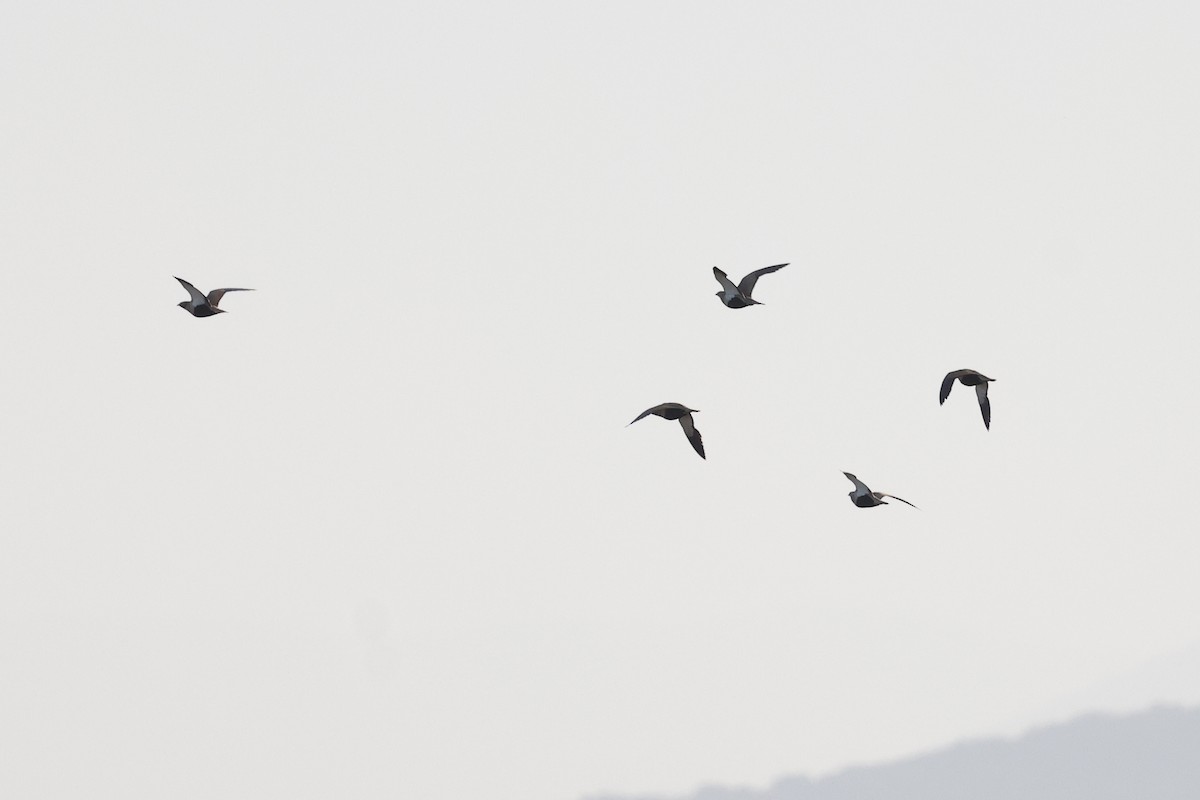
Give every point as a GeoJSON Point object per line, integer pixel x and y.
{"type": "Point", "coordinates": [1152, 755]}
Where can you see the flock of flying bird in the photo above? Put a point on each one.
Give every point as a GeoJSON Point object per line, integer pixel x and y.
{"type": "Point", "coordinates": [733, 296]}
{"type": "Point", "coordinates": [739, 296]}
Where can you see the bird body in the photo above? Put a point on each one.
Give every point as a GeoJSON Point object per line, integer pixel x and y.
{"type": "Point", "coordinates": [684, 415]}
{"type": "Point", "coordinates": [969, 377]}
{"type": "Point", "coordinates": [863, 497]}
{"type": "Point", "coordinates": [738, 296]}
{"type": "Point", "coordinates": [199, 305]}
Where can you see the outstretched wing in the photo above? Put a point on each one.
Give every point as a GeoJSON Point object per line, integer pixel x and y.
{"type": "Point", "coordinates": [948, 384]}
{"type": "Point", "coordinates": [860, 488]}
{"type": "Point", "coordinates": [985, 405]}
{"type": "Point", "coordinates": [693, 435]}
{"type": "Point", "coordinates": [215, 295]}
{"type": "Point", "coordinates": [648, 412]}
{"type": "Point", "coordinates": [197, 296]}
{"type": "Point", "coordinates": [747, 284]}
{"type": "Point", "coordinates": [901, 499]}
{"type": "Point", "coordinates": [723, 279]}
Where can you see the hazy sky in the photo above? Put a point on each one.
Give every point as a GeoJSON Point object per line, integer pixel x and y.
{"type": "Point", "coordinates": [380, 531]}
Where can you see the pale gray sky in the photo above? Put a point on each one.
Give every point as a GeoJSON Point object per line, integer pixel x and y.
{"type": "Point", "coordinates": [380, 530]}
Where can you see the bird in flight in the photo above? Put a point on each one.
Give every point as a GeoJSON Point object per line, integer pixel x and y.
{"type": "Point", "coordinates": [201, 306]}
{"type": "Point", "coordinates": [970, 377]}
{"type": "Point", "coordinates": [863, 497]}
{"type": "Point", "coordinates": [684, 415]}
{"type": "Point", "coordinates": [739, 296]}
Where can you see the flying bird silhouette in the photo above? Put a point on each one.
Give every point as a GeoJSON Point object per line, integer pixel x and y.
{"type": "Point", "coordinates": [201, 306]}
{"type": "Point", "coordinates": [970, 377]}
{"type": "Point", "coordinates": [684, 415]}
{"type": "Point", "coordinates": [863, 497]}
{"type": "Point", "coordinates": [739, 296]}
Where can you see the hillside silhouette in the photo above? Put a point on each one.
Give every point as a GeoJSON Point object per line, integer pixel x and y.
{"type": "Point", "coordinates": [1152, 755]}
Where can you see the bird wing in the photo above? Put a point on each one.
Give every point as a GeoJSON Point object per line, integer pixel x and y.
{"type": "Point", "coordinates": [860, 488]}
{"type": "Point", "coordinates": [948, 383]}
{"type": "Point", "coordinates": [215, 295]}
{"type": "Point", "coordinates": [648, 412]}
{"type": "Point", "coordinates": [693, 435]}
{"type": "Point", "coordinates": [723, 279]}
{"type": "Point", "coordinates": [985, 405]}
{"type": "Point", "coordinates": [747, 284]}
{"type": "Point", "coordinates": [197, 296]}
{"type": "Point", "coordinates": [882, 495]}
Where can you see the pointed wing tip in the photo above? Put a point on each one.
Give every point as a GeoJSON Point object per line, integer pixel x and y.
{"type": "Point", "coordinates": [901, 499]}
{"type": "Point", "coordinates": [643, 415]}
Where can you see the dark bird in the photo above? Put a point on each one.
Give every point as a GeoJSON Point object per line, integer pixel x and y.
{"type": "Point", "coordinates": [863, 497]}
{"type": "Point", "coordinates": [970, 377]}
{"type": "Point", "coordinates": [681, 413]}
{"type": "Point", "coordinates": [201, 306]}
{"type": "Point", "coordinates": [739, 296]}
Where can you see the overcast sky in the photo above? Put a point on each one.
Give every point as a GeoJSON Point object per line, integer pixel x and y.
{"type": "Point", "coordinates": [381, 531]}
